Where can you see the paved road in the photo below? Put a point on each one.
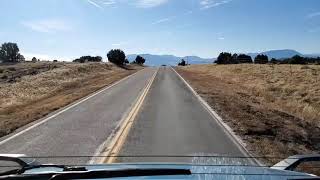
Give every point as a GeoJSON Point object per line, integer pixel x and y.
{"type": "Point", "coordinates": [173, 122]}
{"type": "Point", "coordinates": [83, 128]}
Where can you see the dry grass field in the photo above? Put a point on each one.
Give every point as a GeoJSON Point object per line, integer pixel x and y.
{"type": "Point", "coordinates": [274, 108]}
{"type": "Point", "coordinates": [29, 91]}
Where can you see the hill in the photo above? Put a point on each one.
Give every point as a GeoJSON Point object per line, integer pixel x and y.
{"type": "Point", "coordinates": [278, 54]}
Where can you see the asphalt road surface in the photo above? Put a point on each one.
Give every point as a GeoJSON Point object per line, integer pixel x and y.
{"type": "Point", "coordinates": [80, 130]}
{"type": "Point", "coordinates": [173, 122]}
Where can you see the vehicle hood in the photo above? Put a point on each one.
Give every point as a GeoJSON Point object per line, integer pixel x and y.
{"type": "Point", "coordinates": [223, 172]}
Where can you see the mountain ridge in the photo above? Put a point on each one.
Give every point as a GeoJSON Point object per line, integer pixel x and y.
{"type": "Point", "coordinates": [167, 59]}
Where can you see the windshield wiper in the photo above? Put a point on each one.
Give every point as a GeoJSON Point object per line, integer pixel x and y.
{"type": "Point", "coordinates": [102, 174]}
{"type": "Point", "coordinates": [29, 167]}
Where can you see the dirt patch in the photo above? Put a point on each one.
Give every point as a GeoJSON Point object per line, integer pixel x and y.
{"type": "Point", "coordinates": [267, 108]}
{"type": "Point", "coordinates": [34, 95]}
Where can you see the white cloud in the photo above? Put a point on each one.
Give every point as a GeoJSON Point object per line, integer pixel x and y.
{"type": "Point", "coordinates": [314, 14]}
{"type": "Point", "coordinates": [221, 38]}
{"type": "Point", "coordinates": [94, 4]}
{"type": "Point", "coordinates": [188, 12]}
{"type": "Point", "coordinates": [150, 3]}
{"type": "Point", "coordinates": [109, 2]}
{"type": "Point", "coordinates": [102, 3]}
{"type": "Point", "coordinates": [47, 25]}
{"type": "Point", "coordinates": [162, 20]}
{"type": "Point", "coordinates": [207, 4]}
{"type": "Point", "coordinates": [120, 43]}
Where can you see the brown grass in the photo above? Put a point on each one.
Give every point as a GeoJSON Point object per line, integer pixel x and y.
{"type": "Point", "coordinates": [30, 91]}
{"type": "Point", "coordinates": [274, 108]}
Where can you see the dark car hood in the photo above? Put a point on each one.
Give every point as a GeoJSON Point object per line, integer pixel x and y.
{"type": "Point", "coordinates": [199, 171]}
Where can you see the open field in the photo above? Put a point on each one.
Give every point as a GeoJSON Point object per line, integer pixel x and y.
{"type": "Point", "coordinates": [274, 108]}
{"type": "Point", "coordinates": [29, 91]}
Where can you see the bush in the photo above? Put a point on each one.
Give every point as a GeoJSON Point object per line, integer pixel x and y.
{"type": "Point", "coordinates": [34, 59]}
{"type": "Point", "coordinates": [140, 60]}
{"type": "Point", "coordinates": [182, 63]}
{"type": "Point", "coordinates": [84, 59]}
{"type": "Point", "coordinates": [297, 60]}
{"type": "Point", "coordinates": [261, 59]}
{"type": "Point", "coordinates": [116, 56]}
{"type": "Point", "coordinates": [274, 61]}
{"type": "Point", "coordinates": [243, 58]}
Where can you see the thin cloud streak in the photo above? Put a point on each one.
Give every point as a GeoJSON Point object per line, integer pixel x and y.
{"type": "Point", "coordinates": [120, 43]}
{"type": "Point", "coordinates": [47, 25]}
{"type": "Point", "coordinates": [109, 2]}
{"type": "Point", "coordinates": [150, 3]}
{"type": "Point", "coordinates": [207, 4]}
{"type": "Point", "coordinates": [314, 14]}
{"type": "Point", "coordinates": [162, 21]}
{"type": "Point", "coordinates": [94, 4]}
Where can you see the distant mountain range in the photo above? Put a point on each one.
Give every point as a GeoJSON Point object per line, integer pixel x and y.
{"type": "Point", "coordinates": [278, 54]}
{"type": "Point", "coordinates": [158, 60]}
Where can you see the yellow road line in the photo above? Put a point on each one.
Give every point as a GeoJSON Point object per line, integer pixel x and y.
{"type": "Point", "coordinates": [117, 142]}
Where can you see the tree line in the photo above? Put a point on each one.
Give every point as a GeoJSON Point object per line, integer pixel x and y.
{"type": "Point", "coordinates": [10, 53]}
{"type": "Point", "coordinates": [228, 58]}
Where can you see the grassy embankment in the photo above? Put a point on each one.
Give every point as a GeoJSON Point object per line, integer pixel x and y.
{"type": "Point", "coordinates": [29, 91]}
{"type": "Point", "coordinates": [274, 108]}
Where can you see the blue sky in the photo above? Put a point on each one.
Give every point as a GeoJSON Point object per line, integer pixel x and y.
{"type": "Point", "coordinates": [66, 29]}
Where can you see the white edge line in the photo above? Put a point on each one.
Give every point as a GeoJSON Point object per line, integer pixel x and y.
{"type": "Point", "coordinates": [65, 109]}
{"type": "Point", "coordinates": [107, 142]}
{"type": "Point", "coordinates": [236, 139]}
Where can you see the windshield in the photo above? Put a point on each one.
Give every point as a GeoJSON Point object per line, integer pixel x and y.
{"type": "Point", "coordinates": [202, 82]}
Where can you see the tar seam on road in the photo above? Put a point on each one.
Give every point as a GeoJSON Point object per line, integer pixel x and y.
{"type": "Point", "coordinates": [114, 147]}
{"type": "Point", "coordinates": [63, 109]}
{"type": "Point", "coordinates": [237, 141]}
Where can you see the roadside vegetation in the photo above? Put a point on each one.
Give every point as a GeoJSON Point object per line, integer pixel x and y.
{"type": "Point", "coordinates": [228, 58]}
{"type": "Point", "coordinates": [274, 108]}
{"type": "Point", "coordinates": [30, 89]}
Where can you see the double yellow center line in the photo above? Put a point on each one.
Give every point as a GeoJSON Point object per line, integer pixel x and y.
{"type": "Point", "coordinates": [113, 149]}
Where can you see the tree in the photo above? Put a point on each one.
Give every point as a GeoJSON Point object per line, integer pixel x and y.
{"type": "Point", "coordinates": [140, 60]}
{"type": "Point", "coordinates": [182, 63]}
{"type": "Point", "coordinates": [224, 58]}
{"type": "Point", "coordinates": [34, 59]}
{"type": "Point", "coordinates": [126, 61]}
{"type": "Point", "coordinates": [261, 59]}
{"type": "Point", "coordinates": [116, 56]}
{"type": "Point", "coordinates": [55, 60]}
{"type": "Point", "coordinates": [274, 61]}
{"type": "Point", "coordinates": [97, 59]}
{"type": "Point", "coordinates": [21, 58]}
{"type": "Point", "coordinates": [234, 59]}
{"type": "Point", "coordinates": [9, 52]}
{"type": "Point", "coordinates": [297, 60]}
{"type": "Point", "coordinates": [84, 59]}
{"type": "Point", "coordinates": [243, 58]}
